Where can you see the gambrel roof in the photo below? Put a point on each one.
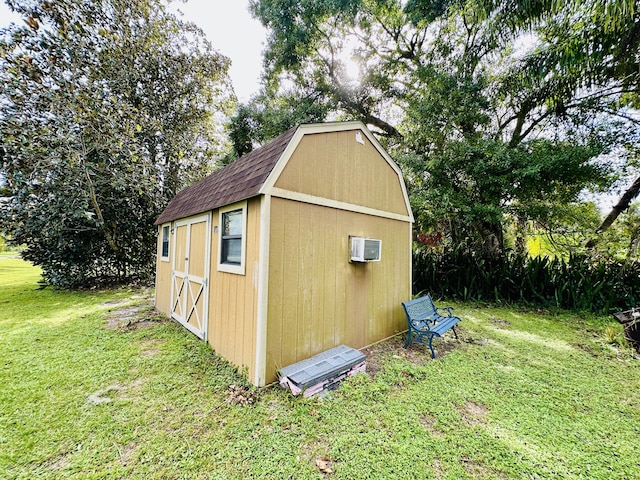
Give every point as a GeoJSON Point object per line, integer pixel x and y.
{"type": "Point", "coordinates": [255, 173]}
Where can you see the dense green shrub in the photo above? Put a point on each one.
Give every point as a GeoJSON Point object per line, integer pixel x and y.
{"type": "Point", "coordinates": [578, 283]}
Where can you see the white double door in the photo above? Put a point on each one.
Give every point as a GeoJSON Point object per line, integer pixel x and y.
{"type": "Point", "coordinates": [190, 273]}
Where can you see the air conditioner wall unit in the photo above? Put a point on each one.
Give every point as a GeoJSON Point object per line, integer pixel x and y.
{"type": "Point", "coordinates": [365, 249]}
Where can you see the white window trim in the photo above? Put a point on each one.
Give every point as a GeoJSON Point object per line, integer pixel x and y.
{"type": "Point", "coordinates": [163, 257]}
{"type": "Point", "coordinates": [226, 267]}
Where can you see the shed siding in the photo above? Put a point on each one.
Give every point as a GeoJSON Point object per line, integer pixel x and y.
{"type": "Point", "coordinates": [317, 299]}
{"type": "Point", "coordinates": [233, 298]}
{"type": "Point", "coordinates": [163, 277]}
{"type": "Point", "coordinates": [335, 166]}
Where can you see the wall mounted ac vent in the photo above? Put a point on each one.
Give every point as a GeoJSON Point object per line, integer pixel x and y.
{"type": "Point", "coordinates": [365, 249]}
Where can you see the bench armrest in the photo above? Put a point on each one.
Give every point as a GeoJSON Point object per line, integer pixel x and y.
{"type": "Point", "coordinates": [448, 309]}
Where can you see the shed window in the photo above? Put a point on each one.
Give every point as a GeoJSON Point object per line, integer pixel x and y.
{"type": "Point", "coordinates": [166, 231]}
{"type": "Point", "coordinates": [232, 239]}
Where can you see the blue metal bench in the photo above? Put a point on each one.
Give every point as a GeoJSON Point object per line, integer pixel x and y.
{"type": "Point", "coordinates": [425, 322]}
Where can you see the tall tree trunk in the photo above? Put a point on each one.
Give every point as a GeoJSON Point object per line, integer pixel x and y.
{"type": "Point", "coordinates": [491, 240]}
{"type": "Point", "coordinates": [520, 243]}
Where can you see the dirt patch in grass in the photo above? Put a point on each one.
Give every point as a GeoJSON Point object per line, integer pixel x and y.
{"type": "Point", "coordinates": [480, 342]}
{"type": "Point", "coordinates": [150, 347]}
{"type": "Point", "coordinates": [108, 394]}
{"type": "Point", "coordinates": [325, 466]}
{"type": "Point", "coordinates": [122, 317]}
{"type": "Point", "coordinates": [151, 352]}
{"type": "Point", "coordinates": [499, 322]}
{"type": "Point", "coordinates": [137, 384]}
{"type": "Point", "coordinates": [437, 469]}
{"type": "Point", "coordinates": [473, 414]}
{"type": "Point", "coordinates": [113, 303]}
{"type": "Point", "coordinates": [61, 461]}
{"type": "Point", "coordinates": [428, 422]}
{"type": "Point", "coordinates": [585, 348]}
{"type": "Point", "coordinates": [142, 314]}
{"type": "Point", "coordinates": [126, 454]}
{"type": "Point", "coordinates": [379, 353]}
{"type": "Point", "coordinates": [105, 395]}
{"type": "Point", "coordinates": [477, 469]}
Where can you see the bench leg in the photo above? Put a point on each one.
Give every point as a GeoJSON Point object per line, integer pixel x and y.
{"type": "Point", "coordinates": [408, 340]}
{"type": "Point", "coordinates": [433, 353]}
{"type": "Point", "coordinates": [454, 331]}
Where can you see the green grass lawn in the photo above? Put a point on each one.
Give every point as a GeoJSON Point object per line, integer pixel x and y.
{"type": "Point", "coordinates": [524, 395]}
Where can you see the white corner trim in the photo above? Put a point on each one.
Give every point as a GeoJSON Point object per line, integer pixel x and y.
{"type": "Point", "coordinates": [327, 202]}
{"type": "Point", "coordinates": [410, 292]}
{"type": "Point", "coordinates": [263, 292]}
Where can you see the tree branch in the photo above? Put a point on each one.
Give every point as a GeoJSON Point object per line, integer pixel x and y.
{"type": "Point", "coordinates": [631, 193]}
{"type": "Point", "coordinates": [96, 206]}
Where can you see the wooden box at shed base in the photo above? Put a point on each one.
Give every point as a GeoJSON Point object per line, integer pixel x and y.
{"type": "Point", "coordinates": [323, 371]}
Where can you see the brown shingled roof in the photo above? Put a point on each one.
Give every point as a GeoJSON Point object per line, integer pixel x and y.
{"type": "Point", "coordinates": [238, 181]}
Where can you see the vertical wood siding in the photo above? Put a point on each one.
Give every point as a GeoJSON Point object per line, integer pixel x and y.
{"type": "Point", "coordinates": [335, 166]}
{"type": "Point", "coordinates": [233, 298]}
{"type": "Point", "coordinates": [163, 276]}
{"type": "Point", "coordinates": [317, 299]}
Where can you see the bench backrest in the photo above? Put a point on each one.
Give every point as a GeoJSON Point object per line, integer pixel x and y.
{"type": "Point", "coordinates": [420, 308]}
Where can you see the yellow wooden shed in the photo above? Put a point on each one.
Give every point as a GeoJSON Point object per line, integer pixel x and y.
{"type": "Point", "coordinates": [299, 246]}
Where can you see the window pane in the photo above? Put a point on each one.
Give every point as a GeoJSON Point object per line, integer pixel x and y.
{"type": "Point", "coordinates": [232, 223]}
{"type": "Point", "coordinates": [165, 241]}
{"type": "Point", "coordinates": [232, 250]}
{"type": "Point", "coordinates": [231, 241]}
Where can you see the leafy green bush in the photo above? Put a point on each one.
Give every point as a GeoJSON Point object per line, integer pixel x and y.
{"type": "Point", "coordinates": [578, 283]}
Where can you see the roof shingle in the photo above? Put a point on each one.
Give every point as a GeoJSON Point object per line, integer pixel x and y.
{"type": "Point", "coordinates": [238, 181]}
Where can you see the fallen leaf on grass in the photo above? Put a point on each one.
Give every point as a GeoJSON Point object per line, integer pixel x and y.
{"type": "Point", "coordinates": [240, 395]}
{"type": "Point", "coordinates": [324, 465]}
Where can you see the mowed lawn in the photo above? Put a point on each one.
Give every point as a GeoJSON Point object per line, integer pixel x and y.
{"type": "Point", "coordinates": [96, 385]}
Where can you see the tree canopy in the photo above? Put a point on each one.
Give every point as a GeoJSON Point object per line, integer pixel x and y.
{"type": "Point", "coordinates": [107, 109]}
{"type": "Point", "coordinates": [499, 113]}
{"type": "Point", "coordinates": [495, 110]}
